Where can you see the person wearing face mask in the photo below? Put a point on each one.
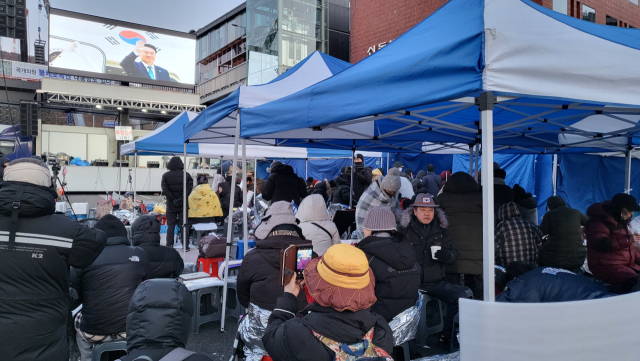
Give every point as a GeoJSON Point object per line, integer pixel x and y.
{"type": "Point", "coordinates": [382, 192]}
{"type": "Point", "coordinates": [362, 178]}
{"type": "Point", "coordinates": [611, 255]}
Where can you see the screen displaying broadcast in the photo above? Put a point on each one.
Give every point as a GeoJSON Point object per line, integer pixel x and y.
{"type": "Point", "coordinates": [92, 46]}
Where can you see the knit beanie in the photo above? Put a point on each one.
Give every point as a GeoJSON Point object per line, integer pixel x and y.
{"type": "Point", "coordinates": [391, 182]}
{"type": "Point", "coordinates": [397, 165]}
{"type": "Point", "coordinates": [380, 219]}
{"type": "Point", "coordinates": [28, 170]}
{"type": "Point", "coordinates": [112, 226]}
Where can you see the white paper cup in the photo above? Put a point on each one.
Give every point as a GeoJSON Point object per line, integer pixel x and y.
{"type": "Point", "coordinates": [434, 249]}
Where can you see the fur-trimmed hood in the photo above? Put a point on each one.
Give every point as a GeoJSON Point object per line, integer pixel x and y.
{"type": "Point", "coordinates": [440, 216]}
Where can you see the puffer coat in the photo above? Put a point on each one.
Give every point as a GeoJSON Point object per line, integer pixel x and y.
{"type": "Point", "coordinates": [163, 262]}
{"type": "Point", "coordinates": [315, 224]}
{"type": "Point", "coordinates": [173, 184]}
{"type": "Point", "coordinates": [564, 247]}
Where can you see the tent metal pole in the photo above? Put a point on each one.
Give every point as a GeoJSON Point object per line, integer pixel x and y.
{"type": "Point", "coordinates": [135, 178]}
{"type": "Point", "coordinates": [245, 229]}
{"type": "Point", "coordinates": [306, 169]}
{"type": "Point", "coordinates": [255, 180]}
{"type": "Point", "coordinates": [470, 159]}
{"type": "Point", "coordinates": [387, 162]}
{"type": "Point", "coordinates": [230, 225]}
{"type": "Point", "coordinates": [185, 234]}
{"type": "Point", "coordinates": [627, 173]}
{"type": "Point", "coordinates": [119, 176]}
{"type": "Point", "coordinates": [475, 175]}
{"type": "Point", "coordinates": [486, 104]}
{"type": "Point", "coordinates": [353, 165]}
{"type": "Point", "coordinates": [380, 162]}
{"type": "Point", "coordinates": [555, 174]}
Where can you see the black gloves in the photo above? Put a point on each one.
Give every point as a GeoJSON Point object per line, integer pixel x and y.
{"type": "Point", "coordinates": [177, 202]}
{"type": "Point", "coordinates": [444, 256]}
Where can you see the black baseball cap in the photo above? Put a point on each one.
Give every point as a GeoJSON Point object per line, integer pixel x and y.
{"type": "Point", "coordinates": [627, 201]}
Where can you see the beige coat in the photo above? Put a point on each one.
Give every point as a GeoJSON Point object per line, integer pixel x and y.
{"type": "Point", "coordinates": [313, 215]}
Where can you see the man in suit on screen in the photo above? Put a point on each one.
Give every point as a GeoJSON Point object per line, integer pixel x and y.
{"type": "Point", "coordinates": [144, 68]}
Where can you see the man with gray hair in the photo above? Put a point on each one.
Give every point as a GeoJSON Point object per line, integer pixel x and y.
{"type": "Point", "coordinates": [382, 192]}
{"type": "Point", "coordinates": [37, 247]}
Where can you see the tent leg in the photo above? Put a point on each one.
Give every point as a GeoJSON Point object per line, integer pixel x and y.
{"type": "Point", "coordinates": [486, 121]}
{"type": "Point", "coordinates": [387, 161]}
{"type": "Point", "coordinates": [119, 177]}
{"type": "Point", "coordinates": [245, 229]}
{"type": "Point", "coordinates": [555, 174]}
{"type": "Point", "coordinates": [627, 173]}
{"type": "Point", "coordinates": [353, 165]}
{"type": "Point", "coordinates": [306, 169]}
{"type": "Point", "coordinates": [185, 233]}
{"type": "Point", "coordinates": [135, 178]}
{"type": "Point", "coordinates": [255, 180]}
{"type": "Point", "coordinates": [470, 160]}
{"type": "Point", "coordinates": [230, 225]}
{"type": "Point", "coordinates": [475, 175]}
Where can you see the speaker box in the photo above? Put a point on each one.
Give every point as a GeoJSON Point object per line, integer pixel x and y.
{"type": "Point", "coordinates": [153, 164]}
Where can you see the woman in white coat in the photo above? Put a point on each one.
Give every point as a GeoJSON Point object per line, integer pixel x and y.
{"type": "Point", "coordinates": [315, 224]}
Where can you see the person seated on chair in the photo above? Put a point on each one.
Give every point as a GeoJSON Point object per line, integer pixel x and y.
{"type": "Point", "coordinates": [315, 224]}
{"type": "Point", "coordinates": [339, 322]}
{"type": "Point", "coordinates": [159, 322]}
{"type": "Point", "coordinates": [224, 194]}
{"type": "Point", "coordinates": [106, 286]}
{"type": "Point", "coordinates": [424, 226]}
{"type": "Point", "coordinates": [393, 263]}
{"type": "Point", "coordinates": [203, 201]}
{"type": "Point", "coordinates": [258, 282]}
{"type": "Point", "coordinates": [164, 262]}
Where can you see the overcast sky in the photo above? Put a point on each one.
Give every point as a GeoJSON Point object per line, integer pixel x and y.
{"type": "Point", "coordinates": [180, 15]}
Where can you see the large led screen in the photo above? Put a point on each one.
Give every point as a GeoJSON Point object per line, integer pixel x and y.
{"type": "Point", "coordinates": [92, 46]}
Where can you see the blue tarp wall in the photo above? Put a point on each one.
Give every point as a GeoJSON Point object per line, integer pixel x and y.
{"type": "Point", "coordinates": [417, 162]}
{"type": "Point", "coordinates": [587, 179]}
{"type": "Point", "coordinates": [318, 168]}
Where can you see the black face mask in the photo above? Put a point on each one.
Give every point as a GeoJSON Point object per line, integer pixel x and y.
{"type": "Point", "coordinates": [360, 165]}
{"type": "Point", "coordinates": [624, 221]}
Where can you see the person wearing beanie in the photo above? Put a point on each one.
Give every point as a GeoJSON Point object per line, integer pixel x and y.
{"type": "Point", "coordinates": [408, 173]}
{"type": "Point", "coordinates": [502, 193]}
{"type": "Point", "coordinates": [164, 262]}
{"type": "Point", "coordinates": [258, 282]}
{"type": "Point", "coordinates": [315, 224]}
{"type": "Point", "coordinates": [380, 193]}
{"type": "Point", "coordinates": [527, 204]}
{"type": "Point", "coordinates": [283, 185]}
{"type": "Point", "coordinates": [424, 226]}
{"type": "Point", "coordinates": [611, 254]}
{"type": "Point", "coordinates": [362, 178]}
{"type": "Point", "coordinates": [432, 181]}
{"type": "Point", "coordinates": [564, 246]}
{"type": "Point", "coordinates": [461, 200]}
{"type": "Point", "coordinates": [173, 189]}
{"type": "Point", "coordinates": [106, 286]}
{"type": "Point", "coordinates": [159, 322]}
{"type": "Point", "coordinates": [204, 201]}
{"type": "Point", "coordinates": [393, 263]}
{"type": "Point", "coordinates": [342, 288]}
{"type": "Point", "coordinates": [37, 249]}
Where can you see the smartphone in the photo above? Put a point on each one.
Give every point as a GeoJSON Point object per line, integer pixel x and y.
{"type": "Point", "coordinates": [303, 256]}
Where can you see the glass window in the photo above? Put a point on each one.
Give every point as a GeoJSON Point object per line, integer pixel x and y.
{"type": "Point", "coordinates": [223, 35]}
{"type": "Point", "coordinates": [611, 21]}
{"type": "Point", "coordinates": [588, 14]}
{"type": "Point", "coordinates": [7, 147]}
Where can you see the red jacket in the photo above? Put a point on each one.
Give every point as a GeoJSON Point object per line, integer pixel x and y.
{"type": "Point", "coordinates": [614, 261]}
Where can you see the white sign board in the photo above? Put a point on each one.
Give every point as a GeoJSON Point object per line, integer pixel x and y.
{"type": "Point", "coordinates": [124, 133]}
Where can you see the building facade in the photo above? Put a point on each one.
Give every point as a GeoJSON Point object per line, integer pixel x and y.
{"type": "Point", "coordinates": [374, 23]}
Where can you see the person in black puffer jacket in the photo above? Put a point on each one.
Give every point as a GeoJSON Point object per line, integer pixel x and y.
{"type": "Point", "coordinates": [425, 226]}
{"type": "Point", "coordinates": [224, 194]}
{"type": "Point", "coordinates": [362, 178]}
{"type": "Point", "coordinates": [34, 271]}
{"type": "Point", "coordinates": [173, 188]}
{"type": "Point", "coordinates": [164, 262]}
{"type": "Point", "coordinates": [322, 188]}
{"type": "Point", "coordinates": [564, 247]}
{"type": "Point", "coordinates": [159, 322]}
{"type": "Point", "coordinates": [393, 263]}
{"type": "Point", "coordinates": [283, 185]}
{"type": "Point", "coordinates": [106, 286]}
{"type": "Point", "coordinates": [461, 200]}
{"type": "Point", "coordinates": [343, 181]}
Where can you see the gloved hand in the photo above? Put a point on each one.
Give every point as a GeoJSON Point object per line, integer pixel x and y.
{"type": "Point", "coordinates": [177, 202]}
{"type": "Point", "coordinates": [444, 256]}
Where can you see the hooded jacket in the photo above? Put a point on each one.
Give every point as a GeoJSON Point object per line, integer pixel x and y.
{"type": "Point", "coordinates": [461, 200]}
{"type": "Point", "coordinates": [204, 202]}
{"type": "Point", "coordinates": [516, 239]}
{"type": "Point", "coordinates": [432, 182]}
{"type": "Point", "coordinates": [397, 274]}
{"type": "Point", "coordinates": [106, 286]}
{"type": "Point", "coordinates": [322, 188]}
{"type": "Point", "coordinates": [342, 194]}
{"type": "Point", "coordinates": [422, 237]}
{"type": "Point", "coordinates": [164, 262]}
{"type": "Point", "coordinates": [546, 284]}
{"type": "Point", "coordinates": [34, 272]}
{"type": "Point", "coordinates": [259, 276]}
{"type": "Point", "coordinates": [225, 198]}
{"type": "Point", "coordinates": [315, 224]}
{"type": "Point", "coordinates": [290, 338]}
{"type": "Point", "coordinates": [421, 175]}
{"type": "Point", "coordinates": [564, 247]}
{"type": "Point", "coordinates": [527, 204]}
{"type": "Point", "coordinates": [362, 178]}
{"type": "Point", "coordinates": [284, 185]}
{"type": "Point", "coordinates": [611, 255]}
{"type": "Point", "coordinates": [172, 184]}
{"type": "Point", "coordinates": [159, 320]}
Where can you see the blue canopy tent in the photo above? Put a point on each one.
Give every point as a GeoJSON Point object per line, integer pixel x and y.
{"type": "Point", "coordinates": [505, 73]}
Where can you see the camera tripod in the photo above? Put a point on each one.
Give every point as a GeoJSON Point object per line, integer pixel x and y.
{"type": "Point", "coordinates": [56, 171]}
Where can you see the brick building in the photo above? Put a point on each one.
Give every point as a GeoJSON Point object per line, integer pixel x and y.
{"type": "Point", "coordinates": [376, 22]}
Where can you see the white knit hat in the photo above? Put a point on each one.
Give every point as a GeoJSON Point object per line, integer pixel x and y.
{"type": "Point", "coordinates": [28, 170]}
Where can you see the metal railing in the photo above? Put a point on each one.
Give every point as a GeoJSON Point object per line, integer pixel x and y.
{"type": "Point", "coordinates": [223, 84]}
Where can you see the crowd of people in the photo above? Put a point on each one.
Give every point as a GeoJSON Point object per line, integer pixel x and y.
{"type": "Point", "coordinates": [424, 239]}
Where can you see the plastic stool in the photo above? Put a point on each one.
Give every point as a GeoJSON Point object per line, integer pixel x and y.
{"type": "Point", "coordinates": [100, 348]}
{"type": "Point", "coordinates": [402, 349]}
{"type": "Point", "coordinates": [423, 329]}
{"type": "Point", "coordinates": [209, 265]}
{"type": "Point", "coordinates": [198, 319]}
